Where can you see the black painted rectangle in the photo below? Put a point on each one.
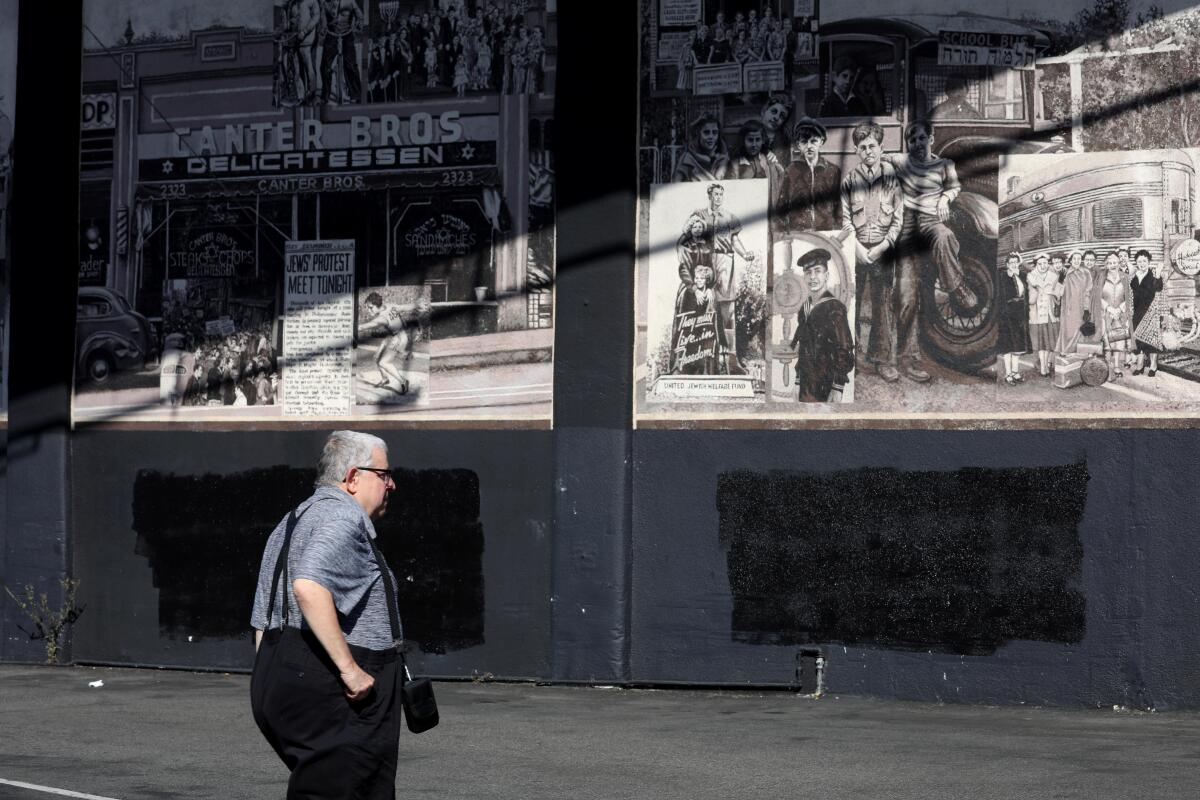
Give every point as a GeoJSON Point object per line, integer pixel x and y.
{"type": "Point", "coordinates": [203, 536]}
{"type": "Point", "coordinates": [958, 562]}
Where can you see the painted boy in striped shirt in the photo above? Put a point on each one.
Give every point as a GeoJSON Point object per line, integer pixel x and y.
{"type": "Point", "coordinates": [930, 185]}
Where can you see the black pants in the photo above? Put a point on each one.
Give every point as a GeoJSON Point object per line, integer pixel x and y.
{"type": "Point", "coordinates": [873, 282]}
{"type": "Point", "coordinates": [335, 749]}
{"type": "Point", "coordinates": [348, 66]}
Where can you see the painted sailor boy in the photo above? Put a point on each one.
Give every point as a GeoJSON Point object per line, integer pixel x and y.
{"type": "Point", "coordinates": [824, 347]}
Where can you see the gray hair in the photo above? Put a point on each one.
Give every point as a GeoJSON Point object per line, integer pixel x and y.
{"type": "Point", "coordinates": [343, 450]}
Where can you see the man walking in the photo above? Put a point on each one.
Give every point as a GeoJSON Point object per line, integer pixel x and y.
{"type": "Point", "coordinates": [326, 677]}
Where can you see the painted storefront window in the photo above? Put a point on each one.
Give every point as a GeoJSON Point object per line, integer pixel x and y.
{"type": "Point", "coordinates": [353, 199]}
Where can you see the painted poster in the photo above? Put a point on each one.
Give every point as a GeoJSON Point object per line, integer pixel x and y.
{"type": "Point", "coordinates": [707, 294]}
{"type": "Point", "coordinates": [894, 138]}
{"type": "Point", "coordinates": [422, 136]}
{"type": "Point", "coordinates": [8, 86]}
{"type": "Point", "coordinates": [317, 326]}
{"type": "Point", "coordinates": [810, 344]}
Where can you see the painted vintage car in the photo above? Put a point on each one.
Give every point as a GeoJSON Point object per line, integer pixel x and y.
{"type": "Point", "coordinates": [109, 335]}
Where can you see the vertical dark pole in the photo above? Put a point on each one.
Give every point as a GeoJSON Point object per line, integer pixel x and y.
{"type": "Point", "coordinates": [43, 273]}
{"type": "Point", "coordinates": [596, 119]}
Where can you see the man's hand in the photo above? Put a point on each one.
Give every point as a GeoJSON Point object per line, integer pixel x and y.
{"type": "Point", "coordinates": [358, 682]}
{"type": "Point", "coordinates": [876, 252]}
{"type": "Point", "coordinates": [863, 254]}
{"type": "Point", "coordinates": [943, 209]}
{"type": "Point", "coordinates": [316, 604]}
{"type": "Point", "coordinates": [749, 255]}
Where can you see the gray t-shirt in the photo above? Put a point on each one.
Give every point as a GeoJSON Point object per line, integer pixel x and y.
{"type": "Point", "coordinates": [329, 547]}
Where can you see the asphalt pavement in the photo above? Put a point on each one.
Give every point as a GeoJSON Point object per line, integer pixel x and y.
{"type": "Point", "coordinates": [163, 735]}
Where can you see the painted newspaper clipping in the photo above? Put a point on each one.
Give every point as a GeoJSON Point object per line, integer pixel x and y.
{"type": "Point", "coordinates": [939, 217]}
{"type": "Point", "coordinates": [365, 229]}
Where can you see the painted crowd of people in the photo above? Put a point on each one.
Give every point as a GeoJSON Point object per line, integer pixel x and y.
{"type": "Point", "coordinates": [747, 38]}
{"type": "Point", "coordinates": [488, 49]}
{"type": "Point", "coordinates": [240, 369]}
{"type": "Point", "coordinates": [1070, 303]}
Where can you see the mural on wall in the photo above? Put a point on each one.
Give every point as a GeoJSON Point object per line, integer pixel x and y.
{"type": "Point", "coordinates": [432, 538]}
{"type": "Point", "coordinates": [886, 139]}
{"type": "Point", "coordinates": [707, 292]}
{"type": "Point", "coordinates": [8, 104]}
{"type": "Point", "coordinates": [1099, 258]}
{"type": "Point", "coordinates": [958, 562]}
{"type": "Point", "coordinates": [273, 171]}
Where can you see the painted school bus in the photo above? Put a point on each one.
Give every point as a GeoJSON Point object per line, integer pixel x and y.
{"type": "Point", "coordinates": [1141, 200]}
{"type": "Point", "coordinates": [905, 68]}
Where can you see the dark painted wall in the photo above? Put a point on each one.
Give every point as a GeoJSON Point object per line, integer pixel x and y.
{"type": "Point", "coordinates": [169, 528]}
{"type": "Point", "coordinates": [1140, 639]}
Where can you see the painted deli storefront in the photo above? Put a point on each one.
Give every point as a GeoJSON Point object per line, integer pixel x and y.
{"type": "Point", "coordinates": [216, 179]}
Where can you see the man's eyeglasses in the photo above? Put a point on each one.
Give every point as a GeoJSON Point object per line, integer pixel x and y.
{"type": "Point", "coordinates": [384, 475]}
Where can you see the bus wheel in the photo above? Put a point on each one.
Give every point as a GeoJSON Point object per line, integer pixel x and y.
{"type": "Point", "coordinates": [963, 339]}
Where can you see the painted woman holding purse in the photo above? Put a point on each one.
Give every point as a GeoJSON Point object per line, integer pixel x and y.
{"type": "Point", "coordinates": [1115, 315]}
{"type": "Point", "coordinates": [1145, 284]}
{"type": "Point", "coordinates": [1078, 284]}
{"type": "Point", "coordinates": [1044, 289]}
{"type": "Point", "coordinates": [1014, 319]}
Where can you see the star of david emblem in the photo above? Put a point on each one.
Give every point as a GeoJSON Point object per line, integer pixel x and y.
{"type": "Point", "coordinates": [468, 151]}
{"type": "Point", "coordinates": [167, 167]}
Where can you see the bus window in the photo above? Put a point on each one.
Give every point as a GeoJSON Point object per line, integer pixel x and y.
{"type": "Point", "coordinates": [1117, 218]}
{"type": "Point", "coordinates": [1005, 95]}
{"type": "Point", "coordinates": [1032, 235]}
{"type": "Point", "coordinates": [858, 79]}
{"type": "Point", "coordinates": [1005, 244]}
{"type": "Point", "coordinates": [1066, 226]}
{"type": "Point", "coordinates": [1180, 221]}
{"type": "Point", "coordinates": [961, 93]}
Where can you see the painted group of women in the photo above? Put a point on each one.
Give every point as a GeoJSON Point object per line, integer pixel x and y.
{"type": "Point", "coordinates": [487, 49]}
{"type": "Point", "coordinates": [744, 40]}
{"type": "Point", "coordinates": [763, 148]}
{"type": "Point", "coordinates": [1063, 302]}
